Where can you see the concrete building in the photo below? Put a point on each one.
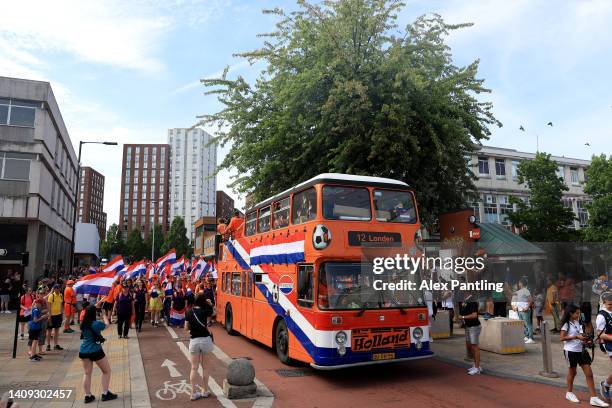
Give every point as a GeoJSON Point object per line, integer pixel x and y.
{"type": "Point", "coordinates": [193, 184]}
{"type": "Point", "coordinates": [224, 205]}
{"type": "Point", "coordinates": [91, 200]}
{"type": "Point", "coordinates": [38, 177]}
{"type": "Point", "coordinates": [144, 190]}
{"type": "Point", "coordinates": [496, 169]}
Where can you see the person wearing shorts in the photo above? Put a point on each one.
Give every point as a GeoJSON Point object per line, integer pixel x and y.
{"type": "Point", "coordinates": [200, 345]}
{"type": "Point", "coordinates": [25, 310]}
{"type": "Point", "coordinates": [34, 329]}
{"type": "Point", "coordinates": [574, 342]}
{"type": "Point", "coordinates": [603, 332]}
{"type": "Point", "coordinates": [90, 352]}
{"type": "Point", "coordinates": [55, 301]}
{"type": "Point", "coordinates": [468, 312]}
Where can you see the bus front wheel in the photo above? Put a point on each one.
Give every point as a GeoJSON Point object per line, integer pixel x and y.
{"type": "Point", "coordinates": [229, 320]}
{"type": "Point", "coordinates": [282, 342]}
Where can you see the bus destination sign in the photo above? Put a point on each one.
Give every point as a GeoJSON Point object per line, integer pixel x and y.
{"type": "Point", "coordinates": [374, 239]}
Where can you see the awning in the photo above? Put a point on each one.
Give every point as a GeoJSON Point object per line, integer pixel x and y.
{"type": "Point", "coordinates": [503, 245]}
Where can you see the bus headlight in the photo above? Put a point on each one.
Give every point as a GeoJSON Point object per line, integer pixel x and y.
{"type": "Point", "coordinates": [417, 333]}
{"type": "Point", "coordinates": [341, 338]}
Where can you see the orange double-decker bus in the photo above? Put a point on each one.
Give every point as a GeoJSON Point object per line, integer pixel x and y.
{"type": "Point", "coordinates": [297, 276]}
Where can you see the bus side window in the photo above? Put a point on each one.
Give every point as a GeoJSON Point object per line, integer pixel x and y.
{"type": "Point", "coordinates": [250, 224]}
{"type": "Point", "coordinates": [223, 282]}
{"type": "Point", "coordinates": [263, 223]}
{"type": "Point", "coordinates": [304, 206]}
{"type": "Point", "coordinates": [280, 214]}
{"type": "Point", "coordinates": [250, 284]}
{"type": "Point", "coordinates": [305, 285]}
{"type": "Point", "coordinates": [227, 282]}
{"type": "Point", "coordinates": [244, 284]}
{"type": "Point", "coordinates": [236, 283]}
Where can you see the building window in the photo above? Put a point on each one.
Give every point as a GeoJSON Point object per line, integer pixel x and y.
{"type": "Point", "coordinates": [583, 215]}
{"type": "Point", "coordinates": [500, 168]}
{"type": "Point", "coordinates": [574, 175]}
{"type": "Point", "coordinates": [17, 113]}
{"type": "Point", "coordinates": [137, 149]}
{"type": "Point", "coordinates": [515, 164]}
{"type": "Point", "coordinates": [15, 166]}
{"type": "Point", "coordinates": [561, 172]}
{"type": "Point", "coordinates": [483, 166]}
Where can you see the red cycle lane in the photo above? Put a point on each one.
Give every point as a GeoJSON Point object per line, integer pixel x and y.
{"type": "Point", "coordinates": [422, 383]}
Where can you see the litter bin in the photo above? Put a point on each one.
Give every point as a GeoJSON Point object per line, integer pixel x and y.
{"type": "Point", "coordinates": [502, 335]}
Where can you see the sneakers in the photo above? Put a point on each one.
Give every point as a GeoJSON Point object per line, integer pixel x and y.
{"type": "Point", "coordinates": [604, 390]}
{"type": "Point", "coordinates": [474, 371]}
{"type": "Point", "coordinates": [196, 396]}
{"type": "Point", "coordinates": [89, 398]}
{"type": "Point", "coordinates": [525, 338]}
{"type": "Point", "coordinates": [58, 347]}
{"type": "Point", "coordinates": [35, 358]}
{"type": "Point", "coordinates": [68, 330]}
{"type": "Point", "coordinates": [529, 341]}
{"type": "Point", "coordinates": [596, 402]}
{"type": "Point", "coordinates": [108, 396]}
{"type": "Point", "coordinates": [570, 396]}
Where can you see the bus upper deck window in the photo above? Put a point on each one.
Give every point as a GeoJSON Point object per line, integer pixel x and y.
{"type": "Point", "coordinates": [280, 214]}
{"type": "Point", "coordinates": [394, 206]}
{"type": "Point", "coordinates": [263, 222]}
{"type": "Point", "coordinates": [346, 203]}
{"type": "Point", "coordinates": [251, 221]}
{"type": "Point", "coordinates": [304, 206]}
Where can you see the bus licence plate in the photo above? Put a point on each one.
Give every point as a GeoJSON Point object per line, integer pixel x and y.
{"type": "Point", "coordinates": [383, 356]}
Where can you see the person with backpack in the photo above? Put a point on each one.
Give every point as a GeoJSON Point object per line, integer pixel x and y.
{"type": "Point", "coordinates": [35, 327]}
{"type": "Point", "coordinates": [25, 310]}
{"type": "Point", "coordinates": [201, 343]}
{"type": "Point", "coordinates": [55, 301]}
{"type": "Point", "coordinates": [576, 354]}
{"type": "Point", "coordinates": [177, 307]}
{"type": "Point", "coordinates": [91, 352]}
{"type": "Point", "coordinates": [603, 324]}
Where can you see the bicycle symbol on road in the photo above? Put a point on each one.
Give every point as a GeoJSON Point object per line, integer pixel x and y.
{"type": "Point", "coordinates": [170, 390]}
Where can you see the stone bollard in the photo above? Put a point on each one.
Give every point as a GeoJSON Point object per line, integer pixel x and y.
{"type": "Point", "coordinates": [240, 380]}
{"type": "Point", "coordinates": [547, 353]}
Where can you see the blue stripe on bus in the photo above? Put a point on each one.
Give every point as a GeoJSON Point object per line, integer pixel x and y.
{"type": "Point", "coordinates": [236, 255]}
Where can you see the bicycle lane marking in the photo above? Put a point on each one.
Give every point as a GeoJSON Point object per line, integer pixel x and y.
{"type": "Point", "coordinates": [212, 383]}
{"type": "Point", "coordinates": [165, 391]}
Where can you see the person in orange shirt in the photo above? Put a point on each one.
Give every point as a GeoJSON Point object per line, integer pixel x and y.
{"type": "Point", "coordinates": [109, 300]}
{"type": "Point", "coordinates": [69, 306]}
{"type": "Point", "coordinates": [235, 223]}
{"type": "Point", "coordinates": [221, 226]}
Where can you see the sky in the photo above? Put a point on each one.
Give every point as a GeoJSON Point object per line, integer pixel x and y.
{"type": "Point", "coordinates": [127, 71]}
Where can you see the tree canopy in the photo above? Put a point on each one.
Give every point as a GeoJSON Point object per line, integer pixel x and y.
{"type": "Point", "coordinates": [113, 244]}
{"type": "Point", "coordinates": [177, 239]}
{"type": "Point", "coordinates": [599, 187]}
{"type": "Point", "coordinates": [544, 217]}
{"type": "Point", "coordinates": [346, 90]}
{"type": "Point", "coordinates": [135, 246]}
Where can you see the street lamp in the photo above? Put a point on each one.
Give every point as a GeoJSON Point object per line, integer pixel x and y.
{"type": "Point", "coordinates": [81, 143]}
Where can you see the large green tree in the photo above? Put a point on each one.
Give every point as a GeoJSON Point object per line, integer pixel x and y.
{"type": "Point", "coordinates": [544, 217]}
{"type": "Point", "coordinates": [135, 247]}
{"type": "Point", "coordinates": [177, 239]}
{"type": "Point", "coordinates": [599, 186]}
{"type": "Point", "coordinates": [159, 241]}
{"type": "Point", "coordinates": [113, 244]}
{"type": "Point", "coordinates": [346, 90]}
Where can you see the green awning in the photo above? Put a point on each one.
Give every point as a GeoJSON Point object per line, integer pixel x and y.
{"type": "Point", "coordinates": [505, 245]}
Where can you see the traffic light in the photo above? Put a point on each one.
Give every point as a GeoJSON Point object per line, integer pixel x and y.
{"type": "Point", "coordinates": [25, 258]}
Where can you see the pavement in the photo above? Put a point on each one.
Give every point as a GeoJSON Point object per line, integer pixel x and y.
{"type": "Point", "coordinates": [524, 366]}
{"type": "Point", "coordinates": [152, 370]}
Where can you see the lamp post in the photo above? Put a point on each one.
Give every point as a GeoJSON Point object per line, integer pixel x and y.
{"type": "Point", "coordinates": [81, 143]}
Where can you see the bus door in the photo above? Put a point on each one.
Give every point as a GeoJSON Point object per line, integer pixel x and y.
{"type": "Point", "coordinates": [246, 301]}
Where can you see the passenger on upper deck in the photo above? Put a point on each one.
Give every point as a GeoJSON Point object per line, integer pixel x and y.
{"type": "Point", "coordinates": [236, 222]}
{"type": "Point", "coordinates": [222, 228]}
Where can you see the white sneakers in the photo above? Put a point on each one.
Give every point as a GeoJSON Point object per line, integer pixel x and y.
{"type": "Point", "coordinates": [594, 401]}
{"type": "Point", "coordinates": [529, 341]}
{"type": "Point", "coordinates": [474, 371]}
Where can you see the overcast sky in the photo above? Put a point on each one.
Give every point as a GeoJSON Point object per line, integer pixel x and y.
{"type": "Point", "coordinates": [128, 70]}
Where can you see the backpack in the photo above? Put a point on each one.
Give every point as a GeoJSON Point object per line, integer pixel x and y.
{"type": "Point", "coordinates": [607, 345]}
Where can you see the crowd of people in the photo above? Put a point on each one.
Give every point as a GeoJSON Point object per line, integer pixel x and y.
{"type": "Point", "coordinates": [52, 307]}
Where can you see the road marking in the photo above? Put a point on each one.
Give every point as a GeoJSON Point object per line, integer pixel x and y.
{"type": "Point", "coordinates": [139, 390]}
{"type": "Point", "coordinates": [169, 364]}
{"type": "Point", "coordinates": [265, 398]}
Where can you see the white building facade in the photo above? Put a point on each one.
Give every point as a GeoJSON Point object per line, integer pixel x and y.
{"type": "Point", "coordinates": [193, 185]}
{"type": "Point", "coordinates": [496, 169]}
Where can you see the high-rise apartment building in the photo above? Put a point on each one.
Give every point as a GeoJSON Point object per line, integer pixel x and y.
{"type": "Point", "coordinates": [496, 170]}
{"type": "Point", "coordinates": [38, 177]}
{"type": "Point", "coordinates": [144, 188]}
{"type": "Point", "coordinates": [193, 183]}
{"type": "Point", "coordinates": [91, 200]}
{"type": "Point", "coordinates": [225, 205]}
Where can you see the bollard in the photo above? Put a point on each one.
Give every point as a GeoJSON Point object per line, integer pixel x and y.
{"type": "Point", "coordinates": [547, 353]}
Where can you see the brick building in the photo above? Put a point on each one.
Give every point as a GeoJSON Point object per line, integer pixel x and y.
{"type": "Point", "coordinates": [91, 199]}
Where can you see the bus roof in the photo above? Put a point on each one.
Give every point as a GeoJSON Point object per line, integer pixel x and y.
{"type": "Point", "coordinates": [335, 178]}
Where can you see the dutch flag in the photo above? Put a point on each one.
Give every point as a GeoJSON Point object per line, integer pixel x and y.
{"type": "Point", "coordinates": [135, 270]}
{"type": "Point", "coordinates": [95, 284]}
{"type": "Point", "coordinates": [178, 266]}
{"type": "Point", "coordinates": [169, 258]}
{"type": "Point", "coordinates": [115, 265]}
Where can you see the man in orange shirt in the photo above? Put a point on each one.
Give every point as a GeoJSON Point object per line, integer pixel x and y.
{"type": "Point", "coordinates": [235, 223]}
{"type": "Point", "coordinates": [69, 306]}
{"type": "Point", "coordinates": [109, 300]}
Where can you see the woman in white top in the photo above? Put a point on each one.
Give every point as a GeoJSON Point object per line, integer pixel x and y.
{"type": "Point", "coordinates": [574, 341]}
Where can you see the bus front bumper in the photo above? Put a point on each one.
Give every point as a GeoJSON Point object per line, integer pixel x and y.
{"type": "Point", "coordinates": [366, 363]}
